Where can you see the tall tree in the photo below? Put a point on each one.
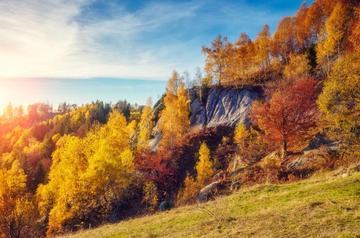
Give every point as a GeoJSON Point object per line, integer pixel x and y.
{"type": "Point", "coordinates": [146, 125]}
{"type": "Point", "coordinates": [289, 115]}
{"type": "Point", "coordinates": [174, 120]}
{"type": "Point", "coordinates": [300, 29]}
{"type": "Point", "coordinates": [336, 27]}
{"type": "Point", "coordinates": [216, 58]}
{"type": "Point", "coordinates": [263, 44]}
{"type": "Point", "coordinates": [339, 101]}
{"type": "Point", "coordinates": [284, 39]}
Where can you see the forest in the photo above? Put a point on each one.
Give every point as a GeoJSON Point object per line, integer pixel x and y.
{"type": "Point", "coordinates": [76, 167]}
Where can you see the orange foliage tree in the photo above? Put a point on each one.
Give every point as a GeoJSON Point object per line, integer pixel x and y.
{"type": "Point", "coordinates": [216, 57]}
{"type": "Point", "coordinates": [290, 113]}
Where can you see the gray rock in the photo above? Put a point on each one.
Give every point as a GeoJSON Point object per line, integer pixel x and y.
{"type": "Point", "coordinates": [208, 192]}
{"type": "Point", "coordinates": [198, 113]}
{"type": "Point", "coordinates": [223, 107]}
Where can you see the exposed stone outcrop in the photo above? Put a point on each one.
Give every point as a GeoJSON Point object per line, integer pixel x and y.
{"type": "Point", "coordinates": [219, 107]}
{"type": "Point", "coordinates": [223, 106]}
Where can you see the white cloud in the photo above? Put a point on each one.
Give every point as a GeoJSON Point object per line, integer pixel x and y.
{"type": "Point", "coordinates": [53, 38]}
{"type": "Point", "coordinates": [42, 39]}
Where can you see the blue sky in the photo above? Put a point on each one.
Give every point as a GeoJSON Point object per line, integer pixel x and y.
{"type": "Point", "coordinates": [124, 39]}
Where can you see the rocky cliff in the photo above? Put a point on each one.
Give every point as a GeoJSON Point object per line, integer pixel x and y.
{"type": "Point", "coordinates": [222, 106]}
{"type": "Point", "coordinates": [215, 107]}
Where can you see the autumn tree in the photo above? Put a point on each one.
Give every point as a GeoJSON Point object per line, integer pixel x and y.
{"type": "Point", "coordinates": [146, 125]}
{"type": "Point", "coordinates": [354, 37]}
{"type": "Point", "coordinates": [192, 186]}
{"type": "Point", "coordinates": [242, 60]}
{"type": "Point", "coordinates": [263, 44]}
{"type": "Point", "coordinates": [9, 111]}
{"type": "Point", "coordinates": [204, 166]}
{"type": "Point", "coordinates": [216, 57]}
{"type": "Point", "coordinates": [150, 196]}
{"type": "Point", "coordinates": [339, 101]}
{"type": "Point", "coordinates": [333, 36]}
{"type": "Point", "coordinates": [251, 146]}
{"type": "Point", "coordinates": [188, 191]}
{"type": "Point", "coordinates": [300, 30]}
{"type": "Point", "coordinates": [174, 120]}
{"type": "Point", "coordinates": [299, 66]}
{"type": "Point", "coordinates": [17, 209]}
{"type": "Point", "coordinates": [88, 176]}
{"type": "Point", "coordinates": [289, 115]}
{"type": "Point", "coordinates": [284, 41]}
{"type": "Point", "coordinates": [156, 166]}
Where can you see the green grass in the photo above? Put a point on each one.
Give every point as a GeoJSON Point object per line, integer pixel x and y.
{"type": "Point", "coordinates": [325, 206]}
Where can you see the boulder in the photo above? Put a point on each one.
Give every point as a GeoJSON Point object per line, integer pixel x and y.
{"type": "Point", "coordinates": [208, 192]}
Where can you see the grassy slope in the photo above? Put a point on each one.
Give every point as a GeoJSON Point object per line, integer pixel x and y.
{"type": "Point", "coordinates": [318, 207]}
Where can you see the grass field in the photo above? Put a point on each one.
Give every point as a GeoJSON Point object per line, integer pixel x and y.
{"type": "Point", "coordinates": [323, 206]}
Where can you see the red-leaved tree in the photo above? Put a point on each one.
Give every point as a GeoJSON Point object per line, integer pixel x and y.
{"type": "Point", "coordinates": [156, 166]}
{"type": "Point", "coordinates": [289, 114]}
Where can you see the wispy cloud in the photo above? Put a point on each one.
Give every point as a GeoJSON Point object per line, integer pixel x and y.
{"type": "Point", "coordinates": [68, 38]}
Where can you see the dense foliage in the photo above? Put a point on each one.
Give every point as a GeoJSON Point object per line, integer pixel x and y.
{"type": "Point", "coordinates": [79, 166]}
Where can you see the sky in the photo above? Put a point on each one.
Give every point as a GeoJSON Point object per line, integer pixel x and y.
{"type": "Point", "coordinates": [67, 44]}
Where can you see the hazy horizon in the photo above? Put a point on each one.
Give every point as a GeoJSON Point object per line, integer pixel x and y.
{"type": "Point", "coordinates": [78, 91]}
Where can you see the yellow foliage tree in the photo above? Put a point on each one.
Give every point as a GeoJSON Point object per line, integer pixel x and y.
{"type": "Point", "coordinates": [174, 120]}
{"type": "Point", "coordinates": [336, 27]}
{"type": "Point", "coordinates": [17, 209]}
{"type": "Point", "coordinates": [339, 101]}
{"type": "Point", "coordinates": [146, 125]}
{"type": "Point", "coordinates": [251, 146]}
{"type": "Point", "coordinates": [150, 196]}
{"type": "Point", "coordinates": [87, 176]}
{"type": "Point", "coordinates": [216, 59]}
{"type": "Point", "coordinates": [240, 133]}
{"type": "Point", "coordinates": [298, 66]}
{"type": "Point", "coordinates": [189, 191]}
{"type": "Point", "coordinates": [204, 166]}
{"type": "Point", "coordinates": [263, 45]}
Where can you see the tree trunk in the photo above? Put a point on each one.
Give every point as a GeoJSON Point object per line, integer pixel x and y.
{"type": "Point", "coordinates": [284, 151]}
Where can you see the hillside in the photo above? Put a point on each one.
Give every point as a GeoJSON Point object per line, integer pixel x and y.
{"type": "Point", "coordinates": [271, 108]}
{"type": "Point", "coordinates": [323, 206]}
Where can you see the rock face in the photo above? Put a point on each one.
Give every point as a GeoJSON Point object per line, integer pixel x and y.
{"type": "Point", "coordinates": [222, 107]}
